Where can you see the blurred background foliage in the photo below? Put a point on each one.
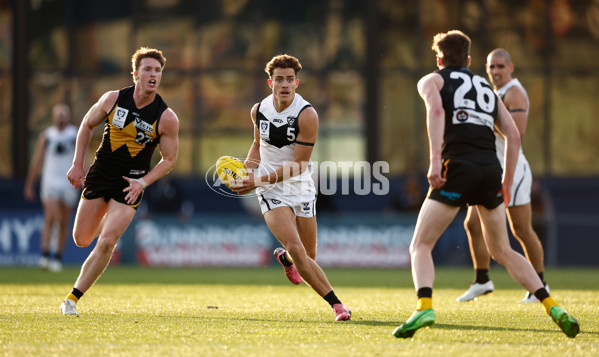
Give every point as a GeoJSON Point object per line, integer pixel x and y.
{"type": "Point", "coordinates": [361, 61]}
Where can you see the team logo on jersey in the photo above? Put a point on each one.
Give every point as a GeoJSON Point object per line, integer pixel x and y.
{"type": "Point", "coordinates": [461, 115]}
{"type": "Point", "coordinates": [60, 148]}
{"type": "Point", "coordinates": [119, 117]}
{"type": "Point", "coordinates": [264, 130]}
{"type": "Point", "coordinates": [291, 120]}
{"type": "Point", "coordinates": [140, 124]}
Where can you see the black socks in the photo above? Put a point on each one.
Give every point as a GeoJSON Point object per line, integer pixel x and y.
{"type": "Point", "coordinates": [331, 298]}
{"type": "Point", "coordinates": [481, 276]}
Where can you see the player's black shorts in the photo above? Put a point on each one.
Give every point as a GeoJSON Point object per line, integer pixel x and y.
{"type": "Point", "coordinates": [469, 183]}
{"type": "Point", "coordinates": [99, 184]}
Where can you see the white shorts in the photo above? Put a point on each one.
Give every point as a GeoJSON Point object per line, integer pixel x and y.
{"type": "Point", "coordinates": [64, 193]}
{"type": "Point", "coordinates": [522, 185]}
{"type": "Point", "coordinates": [305, 209]}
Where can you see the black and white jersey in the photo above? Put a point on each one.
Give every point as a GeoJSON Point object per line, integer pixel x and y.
{"type": "Point", "coordinates": [278, 134]}
{"type": "Point", "coordinates": [58, 156]}
{"type": "Point", "coordinates": [470, 112]}
{"type": "Point", "coordinates": [499, 139]}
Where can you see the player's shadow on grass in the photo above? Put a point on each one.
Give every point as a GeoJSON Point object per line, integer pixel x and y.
{"type": "Point", "coordinates": [357, 321]}
{"type": "Point", "coordinates": [496, 328]}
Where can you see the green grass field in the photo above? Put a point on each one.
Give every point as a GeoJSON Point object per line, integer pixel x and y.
{"type": "Point", "coordinates": [134, 311]}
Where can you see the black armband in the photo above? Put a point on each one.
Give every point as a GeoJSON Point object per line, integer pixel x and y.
{"type": "Point", "coordinates": [304, 143]}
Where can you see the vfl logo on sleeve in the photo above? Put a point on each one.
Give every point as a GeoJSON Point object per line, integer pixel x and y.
{"type": "Point", "coordinates": [120, 115]}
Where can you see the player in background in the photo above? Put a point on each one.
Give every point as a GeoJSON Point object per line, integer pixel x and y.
{"type": "Point", "coordinates": [136, 120]}
{"type": "Point", "coordinates": [285, 131]}
{"type": "Point", "coordinates": [462, 113]}
{"type": "Point", "coordinates": [52, 159]}
{"type": "Point", "coordinates": [512, 93]}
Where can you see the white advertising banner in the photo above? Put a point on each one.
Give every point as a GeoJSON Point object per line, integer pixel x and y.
{"type": "Point", "coordinates": [346, 241]}
{"type": "Point", "coordinates": [213, 242]}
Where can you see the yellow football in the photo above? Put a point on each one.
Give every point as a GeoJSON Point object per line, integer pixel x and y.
{"type": "Point", "coordinates": [230, 169]}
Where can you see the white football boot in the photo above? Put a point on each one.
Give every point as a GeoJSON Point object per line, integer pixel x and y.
{"type": "Point", "coordinates": [55, 266]}
{"type": "Point", "coordinates": [68, 307]}
{"type": "Point", "coordinates": [529, 297]}
{"type": "Point", "coordinates": [43, 262]}
{"type": "Point", "coordinates": [476, 290]}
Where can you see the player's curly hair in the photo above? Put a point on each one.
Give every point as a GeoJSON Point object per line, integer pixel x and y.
{"type": "Point", "coordinates": [144, 52]}
{"type": "Point", "coordinates": [453, 47]}
{"type": "Point", "coordinates": [283, 61]}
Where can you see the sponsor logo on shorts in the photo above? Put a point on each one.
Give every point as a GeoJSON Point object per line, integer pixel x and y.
{"type": "Point", "coordinates": [451, 195]}
{"type": "Point", "coordinates": [276, 202]}
{"type": "Point", "coordinates": [306, 206]}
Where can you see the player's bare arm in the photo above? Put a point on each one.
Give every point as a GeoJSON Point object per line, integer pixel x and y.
{"type": "Point", "coordinates": [35, 168]}
{"type": "Point", "coordinates": [169, 149]}
{"type": "Point", "coordinates": [253, 158]}
{"type": "Point", "coordinates": [429, 88]}
{"type": "Point", "coordinates": [306, 138]}
{"type": "Point", "coordinates": [516, 103]}
{"type": "Point", "coordinates": [506, 126]}
{"type": "Point", "coordinates": [96, 114]}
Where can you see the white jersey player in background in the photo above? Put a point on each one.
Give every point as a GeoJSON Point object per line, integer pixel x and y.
{"type": "Point", "coordinates": [52, 159]}
{"type": "Point", "coordinates": [285, 130]}
{"type": "Point", "coordinates": [512, 93]}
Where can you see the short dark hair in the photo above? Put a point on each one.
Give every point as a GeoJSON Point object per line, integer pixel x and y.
{"type": "Point", "coordinates": [500, 52]}
{"type": "Point", "coordinates": [283, 61]}
{"type": "Point", "coordinates": [453, 47]}
{"type": "Point", "coordinates": [144, 52]}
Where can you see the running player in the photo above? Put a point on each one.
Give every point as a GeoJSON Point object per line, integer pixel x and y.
{"type": "Point", "coordinates": [462, 112]}
{"type": "Point", "coordinates": [499, 69]}
{"type": "Point", "coordinates": [285, 130]}
{"type": "Point", "coordinates": [136, 120]}
{"type": "Point", "coordinates": [52, 158]}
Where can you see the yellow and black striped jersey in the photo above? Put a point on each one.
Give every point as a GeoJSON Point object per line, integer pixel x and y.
{"type": "Point", "coordinates": [130, 136]}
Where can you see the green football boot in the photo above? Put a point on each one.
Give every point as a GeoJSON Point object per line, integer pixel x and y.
{"type": "Point", "coordinates": [565, 321]}
{"type": "Point", "coordinates": [419, 319]}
